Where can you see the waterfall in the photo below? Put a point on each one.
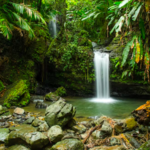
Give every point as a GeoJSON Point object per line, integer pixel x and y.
{"type": "Point", "coordinates": [101, 61]}
{"type": "Point", "coordinates": [53, 27]}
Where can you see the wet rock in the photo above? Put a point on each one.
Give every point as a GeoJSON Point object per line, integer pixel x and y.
{"type": "Point", "coordinates": [43, 127]}
{"type": "Point", "coordinates": [70, 136]}
{"type": "Point", "coordinates": [29, 120]}
{"type": "Point", "coordinates": [79, 128]}
{"type": "Point", "coordinates": [55, 133]}
{"type": "Point", "coordinates": [18, 147]}
{"type": "Point", "coordinates": [123, 125]}
{"type": "Point", "coordinates": [145, 146]}
{"type": "Point", "coordinates": [100, 120]}
{"type": "Point", "coordinates": [37, 122]}
{"type": "Point", "coordinates": [106, 128]}
{"type": "Point", "coordinates": [37, 98]}
{"type": "Point", "coordinates": [108, 148]}
{"type": "Point", "coordinates": [59, 113]}
{"type": "Point", "coordinates": [97, 134]}
{"type": "Point", "coordinates": [26, 134]}
{"type": "Point", "coordinates": [68, 144]}
{"type": "Point", "coordinates": [51, 97]}
{"type": "Point", "coordinates": [40, 105]}
{"type": "Point", "coordinates": [19, 111]}
{"type": "Point", "coordinates": [4, 132]}
{"type": "Point", "coordinates": [3, 111]}
{"type": "Point", "coordinates": [62, 99]}
{"type": "Point", "coordinates": [114, 141]}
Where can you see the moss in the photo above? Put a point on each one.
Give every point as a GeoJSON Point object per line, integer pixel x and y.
{"type": "Point", "coordinates": [17, 94]}
{"type": "Point", "coordinates": [61, 91]}
{"type": "Point", "coordinates": [1, 86]}
{"type": "Point", "coordinates": [25, 100]}
{"type": "Point", "coordinates": [130, 123]}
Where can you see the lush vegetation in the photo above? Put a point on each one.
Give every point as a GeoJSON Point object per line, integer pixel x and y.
{"type": "Point", "coordinates": [32, 53]}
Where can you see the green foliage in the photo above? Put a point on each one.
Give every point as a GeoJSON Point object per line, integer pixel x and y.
{"type": "Point", "coordinates": [61, 91]}
{"type": "Point", "coordinates": [12, 16]}
{"type": "Point", "coordinates": [1, 86]}
{"type": "Point", "coordinates": [128, 18]}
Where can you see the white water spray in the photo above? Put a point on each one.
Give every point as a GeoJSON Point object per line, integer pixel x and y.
{"type": "Point", "coordinates": [101, 61]}
{"type": "Point", "coordinates": [53, 27]}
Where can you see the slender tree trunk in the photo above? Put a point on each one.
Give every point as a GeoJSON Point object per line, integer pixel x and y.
{"type": "Point", "coordinates": [39, 5]}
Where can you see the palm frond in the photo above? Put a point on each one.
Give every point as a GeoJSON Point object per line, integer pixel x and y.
{"type": "Point", "coordinates": [6, 28]}
{"type": "Point", "coordinates": [23, 24]}
{"type": "Point", "coordinates": [21, 8]}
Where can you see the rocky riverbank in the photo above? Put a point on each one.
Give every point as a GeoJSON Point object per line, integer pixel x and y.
{"type": "Point", "coordinates": [58, 130]}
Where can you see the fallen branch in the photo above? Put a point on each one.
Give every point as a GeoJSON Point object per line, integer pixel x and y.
{"type": "Point", "coordinates": [91, 131]}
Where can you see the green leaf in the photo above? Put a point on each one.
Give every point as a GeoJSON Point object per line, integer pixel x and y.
{"type": "Point", "coordinates": [142, 28]}
{"type": "Point", "coordinates": [137, 13]}
{"type": "Point", "coordinates": [124, 3]}
{"type": "Point", "coordinates": [90, 15]}
{"type": "Point", "coordinates": [126, 51]}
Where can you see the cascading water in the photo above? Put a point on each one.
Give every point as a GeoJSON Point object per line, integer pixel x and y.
{"type": "Point", "coordinates": [53, 27]}
{"type": "Point", "coordinates": [101, 61]}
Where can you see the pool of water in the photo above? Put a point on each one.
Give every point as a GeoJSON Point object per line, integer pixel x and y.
{"type": "Point", "coordinates": [90, 107]}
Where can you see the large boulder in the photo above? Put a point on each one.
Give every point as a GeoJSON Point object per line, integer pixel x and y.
{"type": "Point", "coordinates": [59, 113]}
{"type": "Point", "coordinates": [17, 94]}
{"type": "Point", "coordinates": [27, 135]}
{"type": "Point", "coordinates": [69, 144]}
{"type": "Point", "coordinates": [4, 132]}
{"type": "Point", "coordinates": [55, 133]}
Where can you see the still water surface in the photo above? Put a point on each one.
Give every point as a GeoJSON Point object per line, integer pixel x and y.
{"type": "Point", "coordinates": [89, 107]}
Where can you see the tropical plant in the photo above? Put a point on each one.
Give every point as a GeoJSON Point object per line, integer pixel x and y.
{"type": "Point", "coordinates": [17, 16]}
{"type": "Point", "coordinates": [130, 19]}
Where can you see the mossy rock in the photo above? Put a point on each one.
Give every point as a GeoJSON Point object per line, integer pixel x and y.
{"type": "Point", "coordinates": [130, 123]}
{"type": "Point", "coordinates": [51, 96]}
{"type": "Point", "coordinates": [17, 94]}
{"type": "Point", "coordinates": [1, 86]}
{"type": "Point", "coordinates": [61, 91]}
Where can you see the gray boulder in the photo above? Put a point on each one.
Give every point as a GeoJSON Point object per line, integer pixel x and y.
{"type": "Point", "coordinates": [26, 134]}
{"type": "Point", "coordinates": [69, 144]}
{"type": "Point", "coordinates": [4, 132]}
{"type": "Point", "coordinates": [55, 133]}
{"type": "Point", "coordinates": [59, 113]}
{"type": "Point", "coordinates": [43, 127]}
{"type": "Point", "coordinates": [37, 122]}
